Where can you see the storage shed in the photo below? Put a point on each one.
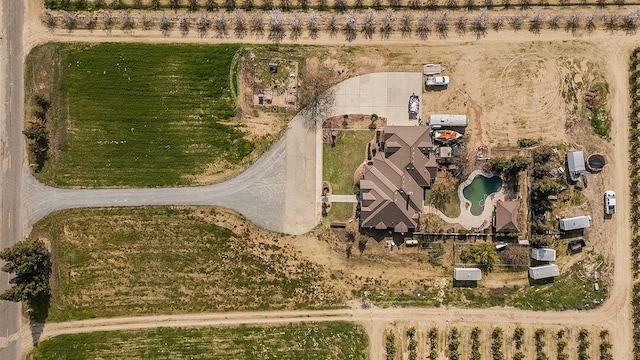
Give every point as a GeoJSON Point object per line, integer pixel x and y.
{"type": "Point", "coordinates": [543, 254]}
{"type": "Point", "coordinates": [438, 121]}
{"type": "Point", "coordinates": [575, 223]}
{"type": "Point", "coordinates": [467, 274]}
{"type": "Point", "coordinates": [544, 271]}
{"type": "Point", "coordinates": [576, 165]}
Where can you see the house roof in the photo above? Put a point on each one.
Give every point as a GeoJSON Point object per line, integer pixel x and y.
{"type": "Point", "coordinates": [391, 190]}
{"type": "Point", "coordinates": [506, 216]}
{"type": "Point", "coordinates": [575, 161]}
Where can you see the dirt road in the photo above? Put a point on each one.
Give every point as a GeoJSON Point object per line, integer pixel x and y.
{"type": "Point", "coordinates": [614, 314]}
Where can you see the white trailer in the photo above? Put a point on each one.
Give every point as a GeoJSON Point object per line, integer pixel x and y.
{"type": "Point", "coordinates": [575, 223]}
{"type": "Point", "coordinates": [543, 254]}
{"type": "Point", "coordinates": [438, 121]}
{"type": "Point", "coordinates": [467, 274]}
{"type": "Point", "coordinates": [544, 271]}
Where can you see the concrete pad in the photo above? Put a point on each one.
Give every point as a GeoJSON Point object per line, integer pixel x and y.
{"type": "Point", "coordinates": [386, 94]}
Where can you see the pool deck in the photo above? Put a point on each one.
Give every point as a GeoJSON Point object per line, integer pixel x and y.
{"type": "Point", "coordinates": [466, 219]}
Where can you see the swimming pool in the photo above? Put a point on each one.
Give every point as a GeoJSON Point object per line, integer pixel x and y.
{"type": "Point", "coordinates": [479, 189]}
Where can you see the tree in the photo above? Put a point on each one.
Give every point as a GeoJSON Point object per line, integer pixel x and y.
{"type": "Point", "coordinates": [442, 25]}
{"type": "Point", "coordinates": [239, 23]}
{"type": "Point", "coordinates": [313, 23]}
{"type": "Point", "coordinates": [147, 22]}
{"type": "Point", "coordinates": [211, 5]}
{"type": "Point", "coordinates": [316, 95]}
{"type": "Point", "coordinates": [257, 24]}
{"type": "Point", "coordinates": [303, 4]}
{"type": "Point", "coordinates": [296, 26]}
{"type": "Point", "coordinates": [542, 188]}
{"type": "Point", "coordinates": [183, 24]}
{"type": "Point", "coordinates": [30, 263]}
{"type": "Point", "coordinates": [107, 21]}
{"type": "Point", "coordinates": [126, 22]}
{"type": "Point", "coordinates": [350, 26]}
{"type": "Point", "coordinates": [220, 24]}
{"type": "Point", "coordinates": [423, 29]}
{"type": "Point", "coordinates": [536, 22]}
{"type": "Point", "coordinates": [276, 26]}
{"type": "Point", "coordinates": [193, 5]}
{"type": "Point", "coordinates": [332, 24]}
{"type": "Point", "coordinates": [386, 27]}
{"type": "Point", "coordinates": [480, 23]}
{"type": "Point", "coordinates": [69, 20]}
{"type": "Point", "coordinates": [203, 23]}
{"type": "Point", "coordinates": [516, 255]}
{"type": "Point", "coordinates": [369, 23]}
{"type": "Point", "coordinates": [164, 22]}
{"type": "Point", "coordinates": [483, 254]}
{"type": "Point", "coordinates": [573, 23]}
{"type": "Point", "coordinates": [340, 5]}
{"type": "Point", "coordinates": [406, 24]}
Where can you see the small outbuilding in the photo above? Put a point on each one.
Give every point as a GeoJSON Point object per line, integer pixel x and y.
{"type": "Point", "coordinates": [544, 271]}
{"type": "Point", "coordinates": [576, 165]}
{"type": "Point", "coordinates": [467, 274]}
{"type": "Point", "coordinates": [543, 254]}
{"type": "Point", "coordinates": [273, 68]}
{"type": "Point", "coordinates": [575, 223]}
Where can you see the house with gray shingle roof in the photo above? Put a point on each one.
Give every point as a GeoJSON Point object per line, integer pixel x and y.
{"type": "Point", "coordinates": [393, 184]}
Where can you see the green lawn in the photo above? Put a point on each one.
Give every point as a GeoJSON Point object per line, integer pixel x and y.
{"type": "Point", "coordinates": [341, 161]}
{"type": "Point", "coordinates": [138, 115]}
{"type": "Point", "coordinates": [310, 341]}
{"type": "Point", "coordinates": [162, 260]}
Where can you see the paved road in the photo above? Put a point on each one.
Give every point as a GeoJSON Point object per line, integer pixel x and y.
{"type": "Point", "coordinates": [11, 110]}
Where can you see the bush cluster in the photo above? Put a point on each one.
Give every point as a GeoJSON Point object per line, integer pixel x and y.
{"type": "Point", "coordinates": [433, 343]}
{"type": "Point", "coordinates": [390, 346]}
{"type": "Point", "coordinates": [454, 344]}
{"type": "Point", "coordinates": [496, 344]}
{"type": "Point", "coordinates": [540, 344]}
{"type": "Point", "coordinates": [37, 134]}
{"type": "Point", "coordinates": [561, 346]}
{"type": "Point", "coordinates": [413, 343]}
{"type": "Point", "coordinates": [475, 343]}
{"type": "Point", "coordinates": [583, 345]}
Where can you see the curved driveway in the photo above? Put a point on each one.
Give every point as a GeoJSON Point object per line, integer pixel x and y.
{"type": "Point", "coordinates": [280, 192]}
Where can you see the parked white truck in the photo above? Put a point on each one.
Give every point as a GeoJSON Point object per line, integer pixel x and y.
{"type": "Point", "coordinates": [609, 202]}
{"type": "Point", "coordinates": [437, 81]}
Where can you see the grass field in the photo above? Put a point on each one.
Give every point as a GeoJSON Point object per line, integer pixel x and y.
{"type": "Point", "coordinates": [341, 160]}
{"type": "Point", "coordinates": [163, 260]}
{"type": "Point", "coordinates": [136, 115]}
{"type": "Point", "coordinates": [329, 340]}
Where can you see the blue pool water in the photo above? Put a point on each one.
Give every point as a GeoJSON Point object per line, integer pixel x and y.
{"type": "Point", "coordinates": [479, 189]}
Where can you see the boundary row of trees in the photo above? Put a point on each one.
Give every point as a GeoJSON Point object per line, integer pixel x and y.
{"type": "Point", "coordinates": [323, 5]}
{"type": "Point", "coordinates": [634, 157]}
{"type": "Point", "coordinates": [277, 25]}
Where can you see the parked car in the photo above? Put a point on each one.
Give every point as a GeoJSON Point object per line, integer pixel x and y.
{"type": "Point", "coordinates": [437, 81]}
{"type": "Point", "coordinates": [609, 202]}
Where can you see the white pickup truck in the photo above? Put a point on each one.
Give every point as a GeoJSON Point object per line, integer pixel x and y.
{"type": "Point", "coordinates": [437, 81]}
{"type": "Point", "coordinates": [609, 202]}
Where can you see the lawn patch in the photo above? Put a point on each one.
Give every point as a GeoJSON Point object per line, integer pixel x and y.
{"type": "Point", "coordinates": [341, 160]}
{"type": "Point", "coordinates": [328, 340]}
{"type": "Point", "coordinates": [164, 260]}
{"type": "Point", "coordinates": [137, 115]}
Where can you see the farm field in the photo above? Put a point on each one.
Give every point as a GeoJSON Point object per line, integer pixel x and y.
{"type": "Point", "coordinates": [165, 260]}
{"type": "Point", "coordinates": [304, 341]}
{"type": "Point", "coordinates": [135, 115]}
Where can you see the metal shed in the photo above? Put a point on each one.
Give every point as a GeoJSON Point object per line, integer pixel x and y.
{"type": "Point", "coordinates": [575, 223]}
{"type": "Point", "coordinates": [544, 271]}
{"type": "Point", "coordinates": [437, 121]}
{"type": "Point", "coordinates": [576, 165]}
{"type": "Point", "coordinates": [543, 254]}
{"type": "Point", "coordinates": [467, 274]}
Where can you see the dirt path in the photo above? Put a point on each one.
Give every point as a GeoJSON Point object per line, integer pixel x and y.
{"type": "Point", "coordinates": [614, 314]}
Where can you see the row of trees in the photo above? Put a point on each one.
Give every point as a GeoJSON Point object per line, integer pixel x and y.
{"type": "Point", "coordinates": [338, 5]}
{"type": "Point", "coordinates": [277, 25]}
{"type": "Point", "coordinates": [36, 132]}
{"type": "Point", "coordinates": [634, 155]}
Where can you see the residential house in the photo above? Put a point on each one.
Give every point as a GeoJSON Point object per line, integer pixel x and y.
{"type": "Point", "coordinates": [393, 184]}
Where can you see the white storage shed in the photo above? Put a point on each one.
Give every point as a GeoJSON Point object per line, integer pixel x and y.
{"type": "Point", "coordinates": [437, 121]}
{"type": "Point", "coordinates": [576, 165]}
{"type": "Point", "coordinates": [543, 254]}
{"type": "Point", "coordinates": [467, 274]}
{"type": "Point", "coordinates": [544, 271]}
{"type": "Point", "coordinates": [575, 223]}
